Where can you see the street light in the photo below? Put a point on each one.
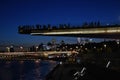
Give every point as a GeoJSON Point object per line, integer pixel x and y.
{"type": "Point", "coordinates": [21, 48]}
{"type": "Point", "coordinates": [70, 48]}
{"type": "Point", "coordinates": [8, 49]}
{"type": "Point", "coordinates": [76, 47]}
{"type": "Point", "coordinates": [94, 47]}
{"type": "Point", "coordinates": [90, 40]}
{"type": "Point", "coordinates": [118, 42]}
{"type": "Point", "coordinates": [105, 48]}
{"type": "Point", "coordinates": [66, 46]}
{"type": "Point", "coordinates": [81, 46]}
{"type": "Point", "coordinates": [105, 45]}
{"type": "Point", "coordinates": [86, 49]}
{"type": "Point", "coordinates": [36, 48]}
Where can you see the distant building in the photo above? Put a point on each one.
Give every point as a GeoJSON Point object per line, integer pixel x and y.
{"type": "Point", "coordinates": [11, 49]}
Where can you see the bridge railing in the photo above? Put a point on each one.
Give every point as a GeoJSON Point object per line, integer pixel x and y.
{"type": "Point", "coordinates": [26, 29]}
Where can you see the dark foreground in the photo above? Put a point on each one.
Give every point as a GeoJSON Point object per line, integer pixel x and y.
{"type": "Point", "coordinates": [82, 71]}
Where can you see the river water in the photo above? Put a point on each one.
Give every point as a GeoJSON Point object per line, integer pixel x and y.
{"type": "Point", "coordinates": [25, 70]}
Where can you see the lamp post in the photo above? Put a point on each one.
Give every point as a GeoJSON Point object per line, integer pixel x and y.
{"type": "Point", "coordinates": [106, 53]}
{"type": "Point", "coordinates": [66, 47]}
{"type": "Point", "coordinates": [8, 49]}
{"type": "Point", "coordinates": [21, 48]}
{"type": "Point", "coordinates": [105, 45]}
{"type": "Point", "coordinates": [105, 48]}
{"type": "Point", "coordinates": [86, 49]}
{"type": "Point", "coordinates": [36, 48]}
{"type": "Point", "coordinates": [90, 40]}
{"type": "Point", "coordinates": [118, 43]}
{"type": "Point", "coordinates": [76, 48]}
{"type": "Point", "coordinates": [94, 47]}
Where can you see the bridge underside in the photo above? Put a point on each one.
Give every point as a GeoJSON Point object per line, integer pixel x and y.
{"type": "Point", "coordinates": [106, 32]}
{"type": "Point", "coordinates": [109, 36]}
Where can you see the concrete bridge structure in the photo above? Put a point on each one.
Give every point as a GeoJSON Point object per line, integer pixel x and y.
{"type": "Point", "coordinates": [90, 32]}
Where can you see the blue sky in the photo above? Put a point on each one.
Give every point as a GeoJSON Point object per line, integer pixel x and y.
{"type": "Point", "coordinates": [31, 12]}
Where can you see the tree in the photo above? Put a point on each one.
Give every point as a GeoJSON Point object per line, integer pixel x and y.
{"type": "Point", "coordinates": [44, 27]}
{"type": "Point", "coordinates": [49, 26]}
{"type": "Point", "coordinates": [37, 26]}
{"type": "Point", "coordinates": [40, 47]}
{"type": "Point", "coordinates": [49, 44]}
{"type": "Point", "coordinates": [91, 24]}
{"type": "Point", "coordinates": [98, 23]}
{"type": "Point", "coordinates": [62, 42]}
{"type": "Point", "coordinates": [85, 24]}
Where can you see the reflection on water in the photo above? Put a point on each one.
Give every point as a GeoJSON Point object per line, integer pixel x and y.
{"type": "Point", "coordinates": [25, 70]}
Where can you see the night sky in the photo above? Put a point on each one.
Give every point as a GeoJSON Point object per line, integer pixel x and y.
{"type": "Point", "coordinates": [31, 12]}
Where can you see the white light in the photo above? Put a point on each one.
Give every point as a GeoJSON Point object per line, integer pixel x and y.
{"type": "Point", "coordinates": [21, 47]}
{"type": "Point", "coordinates": [90, 40]}
{"type": "Point", "coordinates": [118, 42]}
{"type": "Point", "coordinates": [108, 64]}
{"type": "Point", "coordinates": [8, 49]}
{"type": "Point", "coordinates": [94, 47]}
{"type": "Point", "coordinates": [85, 48]}
{"type": "Point", "coordinates": [81, 31]}
{"type": "Point", "coordinates": [36, 47]}
{"type": "Point", "coordinates": [105, 45]}
{"type": "Point", "coordinates": [76, 47]}
{"type": "Point", "coordinates": [11, 46]}
{"type": "Point", "coordinates": [81, 46]}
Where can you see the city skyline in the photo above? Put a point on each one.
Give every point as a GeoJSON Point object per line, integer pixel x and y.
{"type": "Point", "coordinates": [32, 12]}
